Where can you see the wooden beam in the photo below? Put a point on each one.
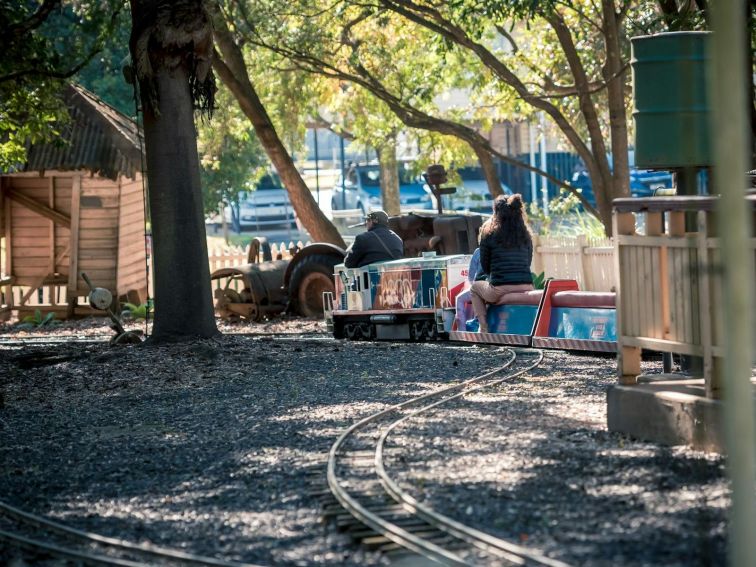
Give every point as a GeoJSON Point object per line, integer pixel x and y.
{"type": "Point", "coordinates": [39, 208]}
{"type": "Point", "coordinates": [73, 266]}
{"type": "Point", "coordinates": [51, 240]}
{"type": "Point", "coordinates": [2, 211]}
{"type": "Point", "coordinates": [47, 277]}
{"type": "Point", "coordinates": [8, 243]}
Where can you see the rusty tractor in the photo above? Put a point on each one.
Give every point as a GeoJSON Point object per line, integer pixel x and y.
{"type": "Point", "coordinates": [265, 287]}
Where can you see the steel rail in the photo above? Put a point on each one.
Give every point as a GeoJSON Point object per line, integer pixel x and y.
{"type": "Point", "coordinates": [391, 531]}
{"type": "Point", "coordinates": [514, 553]}
{"type": "Point", "coordinates": [147, 549]}
{"type": "Point", "coordinates": [86, 558]}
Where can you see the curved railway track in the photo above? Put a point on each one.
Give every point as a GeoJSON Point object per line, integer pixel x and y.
{"type": "Point", "coordinates": [88, 548]}
{"type": "Point", "coordinates": [358, 479]}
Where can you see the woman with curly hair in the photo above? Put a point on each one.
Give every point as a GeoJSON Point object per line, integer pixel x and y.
{"type": "Point", "coordinates": [506, 251]}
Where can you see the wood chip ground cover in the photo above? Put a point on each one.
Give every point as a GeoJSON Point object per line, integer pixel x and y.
{"type": "Point", "coordinates": [211, 447]}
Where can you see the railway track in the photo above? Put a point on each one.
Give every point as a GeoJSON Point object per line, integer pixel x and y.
{"type": "Point", "coordinates": [43, 537]}
{"type": "Point", "coordinates": [388, 518]}
{"type": "Point", "coordinates": [43, 340]}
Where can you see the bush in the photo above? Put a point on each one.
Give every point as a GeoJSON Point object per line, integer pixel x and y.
{"type": "Point", "coordinates": [566, 218]}
{"type": "Point", "coordinates": [132, 311]}
{"type": "Point", "coordinates": [38, 320]}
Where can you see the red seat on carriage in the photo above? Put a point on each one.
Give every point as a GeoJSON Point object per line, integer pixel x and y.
{"type": "Point", "coordinates": [587, 299]}
{"type": "Point", "coordinates": [521, 298]}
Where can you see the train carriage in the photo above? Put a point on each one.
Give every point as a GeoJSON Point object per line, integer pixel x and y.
{"type": "Point", "coordinates": [414, 299]}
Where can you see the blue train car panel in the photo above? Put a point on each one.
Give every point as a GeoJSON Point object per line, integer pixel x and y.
{"type": "Point", "coordinates": [583, 323]}
{"type": "Point", "coordinates": [511, 319]}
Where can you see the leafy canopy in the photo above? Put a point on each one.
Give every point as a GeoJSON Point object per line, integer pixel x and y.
{"type": "Point", "coordinates": [44, 42]}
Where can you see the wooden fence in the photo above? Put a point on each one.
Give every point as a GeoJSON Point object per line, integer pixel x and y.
{"type": "Point", "coordinates": [670, 295]}
{"type": "Point", "coordinates": [230, 256]}
{"type": "Point", "coordinates": [587, 260]}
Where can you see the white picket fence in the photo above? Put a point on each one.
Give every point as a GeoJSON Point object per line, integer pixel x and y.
{"type": "Point", "coordinates": [589, 261]}
{"type": "Point", "coordinates": [230, 256]}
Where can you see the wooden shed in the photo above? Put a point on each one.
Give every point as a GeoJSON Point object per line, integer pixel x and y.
{"type": "Point", "coordinates": [75, 206]}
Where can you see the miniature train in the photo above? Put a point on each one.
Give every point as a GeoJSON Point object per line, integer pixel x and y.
{"type": "Point", "coordinates": [414, 298]}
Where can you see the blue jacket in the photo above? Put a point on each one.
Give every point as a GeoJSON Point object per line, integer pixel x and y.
{"type": "Point", "coordinates": [505, 266]}
{"type": "Point", "coordinates": [474, 269]}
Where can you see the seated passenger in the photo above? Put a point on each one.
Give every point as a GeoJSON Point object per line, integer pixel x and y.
{"type": "Point", "coordinates": [506, 252]}
{"type": "Point", "coordinates": [473, 272]}
{"type": "Point", "coordinates": [377, 244]}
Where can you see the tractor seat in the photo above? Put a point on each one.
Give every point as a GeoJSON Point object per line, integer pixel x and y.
{"type": "Point", "coordinates": [521, 298]}
{"type": "Point", "coordinates": [588, 299]}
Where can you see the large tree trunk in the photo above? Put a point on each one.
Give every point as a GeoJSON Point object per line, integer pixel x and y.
{"type": "Point", "coordinates": [229, 64]}
{"type": "Point", "coordinates": [389, 177]}
{"type": "Point", "coordinates": [183, 297]}
{"type": "Point", "coordinates": [615, 79]}
{"type": "Point", "coordinates": [489, 171]}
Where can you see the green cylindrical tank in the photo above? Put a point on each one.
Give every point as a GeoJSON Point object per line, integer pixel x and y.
{"type": "Point", "coordinates": [671, 109]}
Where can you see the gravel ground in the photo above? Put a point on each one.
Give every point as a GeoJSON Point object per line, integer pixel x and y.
{"type": "Point", "coordinates": [208, 447]}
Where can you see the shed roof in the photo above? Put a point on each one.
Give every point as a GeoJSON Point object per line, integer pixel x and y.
{"type": "Point", "coordinates": [98, 138]}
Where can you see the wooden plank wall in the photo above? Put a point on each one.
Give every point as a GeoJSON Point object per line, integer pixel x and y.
{"type": "Point", "coordinates": [132, 273]}
{"type": "Point", "coordinates": [34, 240]}
{"type": "Point", "coordinates": [98, 233]}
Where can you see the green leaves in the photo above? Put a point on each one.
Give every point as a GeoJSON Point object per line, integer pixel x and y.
{"type": "Point", "coordinates": [38, 320]}
{"type": "Point", "coordinates": [231, 157]}
{"type": "Point", "coordinates": [38, 55]}
{"type": "Point", "coordinates": [132, 311]}
{"type": "Point", "coordinates": [539, 280]}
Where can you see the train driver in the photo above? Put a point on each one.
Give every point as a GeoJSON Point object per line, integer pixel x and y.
{"type": "Point", "coordinates": [506, 252]}
{"type": "Point", "coordinates": [378, 243]}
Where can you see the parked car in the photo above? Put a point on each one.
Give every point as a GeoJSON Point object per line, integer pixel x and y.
{"type": "Point", "coordinates": [643, 183]}
{"type": "Point", "coordinates": [268, 204]}
{"type": "Point", "coordinates": [362, 190]}
{"type": "Point", "coordinates": [472, 194]}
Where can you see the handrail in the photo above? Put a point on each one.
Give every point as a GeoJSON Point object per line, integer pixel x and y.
{"type": "Point", "coordinates": [672, 203]}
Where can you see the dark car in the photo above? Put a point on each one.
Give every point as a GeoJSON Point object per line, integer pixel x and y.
{"type": "Point", "coordinates": [643, 183]}
{"type": "Point", "coordinates": [362, 190]}
{"type": "Point", "coordinates": [472, 193]}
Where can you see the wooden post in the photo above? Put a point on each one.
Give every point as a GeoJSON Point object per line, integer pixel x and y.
{"type": "Point", "coordinates": [6, 287]}
{"type": "Point", "coordinates": [582, 244]}
{"type": "Point", "coordinates": [705, 269]}
{"type": "Point", "coordinates": [8, 241]}
{"type": "Point", "coordinates": [628, 357]}
{"type": "Point", "coordinates": [73, 265]}
{"type": "Point", "coordinates": [537, 264]}
{"type": "Point", "coordinates": [730, 120]}
{"type": "Point", "coordinates": [51, 270]}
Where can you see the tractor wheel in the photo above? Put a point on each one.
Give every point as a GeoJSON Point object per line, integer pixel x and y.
{"type": "Point", "coordinates": [309, 280]}
{"type": "Point", "coordinates": [224, 297]}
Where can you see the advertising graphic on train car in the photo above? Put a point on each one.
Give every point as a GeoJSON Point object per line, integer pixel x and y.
{"type": "Point", "coordinates": [413, 283]}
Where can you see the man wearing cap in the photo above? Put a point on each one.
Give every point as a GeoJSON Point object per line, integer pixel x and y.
{"type": "Point", "coordinates": [377, 244]}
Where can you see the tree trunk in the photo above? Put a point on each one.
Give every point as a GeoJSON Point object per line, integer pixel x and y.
{"type": "Point", "coordinates": [489, 171]}
{"type": "Point", "coordinates": [389, 177]}
{"type": "Point", "coordinates": [229, 65]}
{"type": "Point", "coordinates": [183, 296]}
{"type": "Point", "coordinates": [615, 79]}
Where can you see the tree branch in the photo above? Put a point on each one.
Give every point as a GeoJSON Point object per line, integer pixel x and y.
{"type": "Point", "coordinates": [432, 19]}
{"type": "Point", "coordinates": [410, 115]}
{"type": "Point", "coordinates": [33, 21]}
{"type": "Point", "coordinates": [58, 74]}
